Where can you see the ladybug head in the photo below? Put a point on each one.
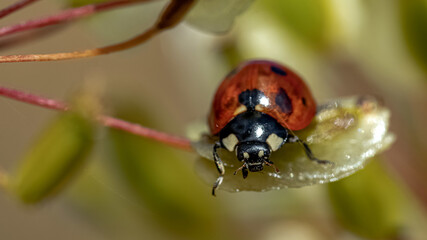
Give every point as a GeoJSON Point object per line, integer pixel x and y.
{"type": "Point", "coordinates": [253, 155]}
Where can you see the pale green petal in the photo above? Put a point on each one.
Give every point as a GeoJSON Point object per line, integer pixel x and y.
{"type": "Point", "coordinates": [347, 132]}
{"type": "Point", "coordinates": [216, 16]}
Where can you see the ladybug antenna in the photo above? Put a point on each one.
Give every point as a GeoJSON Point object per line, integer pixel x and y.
{"type": "Point", "coordinates": [244, 169]}
{"type": "Point", "coordinates": [271, 164]}
{"type": "Point", "coordinates": [294, 138]}
{"type": "Point", "coordinates": [240, 168]}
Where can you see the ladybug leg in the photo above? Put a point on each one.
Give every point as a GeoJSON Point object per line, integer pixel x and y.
{"type": "Point", "coordinates": [308, 152]}
{"type": "Point", "coordinates": [216, 184]}
{"type": "Point", "coordinates": [218, 162]}
{"type": "Point", "coordinates": [219, 165]}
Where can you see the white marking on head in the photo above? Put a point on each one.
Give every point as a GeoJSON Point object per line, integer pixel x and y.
{"type": "Point", "coordinates": [261, 153]}
{"type": "Point", "coordinates": [274, 141]}
{"type": "Point", "coordinates": [246, 155]}
{"type": "Point", "coordinates": [240, 109]}
{"type": "Point", "coordinates": [230, 142]}
{"type": "Point", "coordinates": [254, 164]}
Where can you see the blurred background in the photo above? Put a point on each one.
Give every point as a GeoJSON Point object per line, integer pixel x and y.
{"type": "Point", "coordinates": [132, 188]}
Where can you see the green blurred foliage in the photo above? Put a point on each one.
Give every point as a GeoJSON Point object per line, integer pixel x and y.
{"type": "Point", "coordinates": [307, 19]}
{"type": "Point", "coordinates": [232, 56]}
{"type": "Point", "coordinates": [413, 16]}
{"type": "Point", "coordinates": [103, 201]}
{"type": "Point", "coordinates": [79, 3]}
{"type": "Point", "coordinates": [369, 203]}
{"type": "Point", "coordinates": [53, 158]}
{"type": "Point", "coordinates": [216, 16]}
{"type": "Point", "coordinates": [165, 182]}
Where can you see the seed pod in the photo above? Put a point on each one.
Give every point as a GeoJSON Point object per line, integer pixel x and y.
{"type": "Point", "coordinates": [369, 203]}
{"type": "Point", "coordinates": [413, 19]}
{"type": "Point", "coordinates": [53, 158]}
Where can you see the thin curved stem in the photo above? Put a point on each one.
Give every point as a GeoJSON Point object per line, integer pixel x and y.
{"type": "Point", "coordinates": [171, 16]}
{"type": "Point", "coordinates": [33, 99]}
{"type": "Point", "coordinates": [15, 7]}
{"type": "Point", "coordinates": [64, 16]}
{"type": "Point", "coordinates": [81, 54]}
{"type": "Point", "coordinates": [172, 140]}
{"type": "Point", "coordinates": [139, 130]}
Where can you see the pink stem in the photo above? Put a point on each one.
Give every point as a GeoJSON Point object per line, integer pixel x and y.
{"type": "Point", "coordinates": [137, 129]}
{"type": "Point", "coordinates": [66, 15]}
{"type": "Point", "coordinates": [108, 121]}
{"type": "Point", "coordinates": [33, 99]}
{"type": "Point", "coordinates": [15, 7]}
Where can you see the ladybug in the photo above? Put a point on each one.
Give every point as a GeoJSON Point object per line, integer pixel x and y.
{"type": "Point", "coordinates": [254, 112]}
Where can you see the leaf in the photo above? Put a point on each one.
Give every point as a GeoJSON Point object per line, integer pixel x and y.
{"type": "Point", "coordinates": [368, 203]}
{"type": "Point", "coordinates": [165, 183]}
{"type": "Point", "coordinates": [413, 16]}
{"type": "Point", "coordinates": [307, 19]}
{"type": "Point", "coordinates": [54, 157]}
{"type": "Point", "coordinates": [79, 3]}
{"type": "Point", "coordinates": [347, 132]}
{"type": "Point", "coordinates": [99, 199]}
{"type": "Point", "coordinates": [216, 16]}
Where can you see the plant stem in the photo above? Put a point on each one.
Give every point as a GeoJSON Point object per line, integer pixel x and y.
{"type": "Point", "coordinates": [33, 99]}
{"type": "Point", "coordinates": [171, 16]}
{"type": "Point", "coordinates": [81, 54]}
{"type": "Point", "coordinates": [172, 140]}
{"type": "Point", "coordinates": [65, 16]}
{"type": "Point", "coordinates": [139, 130]}
{"type": "Point", "coordinates": [15, 7]}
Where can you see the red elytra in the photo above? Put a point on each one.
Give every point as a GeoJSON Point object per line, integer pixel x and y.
{"type": "Point", "coordinates": [270, 78]}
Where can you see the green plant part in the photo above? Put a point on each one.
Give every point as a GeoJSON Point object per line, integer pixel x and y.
{"type": "Point", "coordinates": [162, 180]}
{"type": "Point", "coordinates": [369, 203]}
{"type": "Point", "coordinates": [79, 3]}
{"type": "Point", "coordinates": [309, 20]}
{"type": "Point", "coordinates": [216, 16]}
{"type": "Point", "coordinates": [413, 16]}
{"type": "Point", "coordinates": [53, 159]}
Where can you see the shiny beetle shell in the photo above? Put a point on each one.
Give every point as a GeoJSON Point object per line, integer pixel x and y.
{"type": "Point", "coordinates": [285, 95]}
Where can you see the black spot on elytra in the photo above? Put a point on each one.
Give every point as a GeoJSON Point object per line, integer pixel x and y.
{"type": "Point", "coordinates": [229, 103]}
{"type": "Point", "coordinates": [278, 71]}
{"type": "Point", "coordinates": [304, 101]}
{"type": "Point", "coordinates": [283, 101]}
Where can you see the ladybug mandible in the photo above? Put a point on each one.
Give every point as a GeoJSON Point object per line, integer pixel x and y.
{"type": "Point", "coordinates": [254, 111]}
